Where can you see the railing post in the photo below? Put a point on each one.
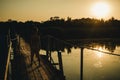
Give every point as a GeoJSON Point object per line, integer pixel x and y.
{"type": "Point", "coordinates": [81, 69]}
{"type": "Point", "coordinates": [60, 62]}
{"type": "Point", "coordinates": [19, 44]}
{"type": "Point", "coordinates": [48, 48]}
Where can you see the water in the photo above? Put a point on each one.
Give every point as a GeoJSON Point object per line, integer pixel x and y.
{"type": "Point", "coordinates": [97, 65]}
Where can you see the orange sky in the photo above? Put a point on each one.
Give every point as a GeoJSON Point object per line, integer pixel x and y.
{"type": "Point", "coordinates": [41, 10]}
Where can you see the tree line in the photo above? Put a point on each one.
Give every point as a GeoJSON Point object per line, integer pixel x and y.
{"type": "Point", "coordinates": [68, 29]}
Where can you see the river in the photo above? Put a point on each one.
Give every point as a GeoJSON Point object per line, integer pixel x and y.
{"type": "Point", "coordinates": [96, 65]}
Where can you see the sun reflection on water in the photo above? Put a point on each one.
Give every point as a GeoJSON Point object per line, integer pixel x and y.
{"type": "Point", "coordinates": [99, 57]}
{"type": "Point", "coordinates": [99, 54]}
{"type": "Point", "coordinates": [98, 64]}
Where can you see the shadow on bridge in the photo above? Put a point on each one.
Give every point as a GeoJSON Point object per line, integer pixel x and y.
{"type": "Point", "coordinates": [19, 64]}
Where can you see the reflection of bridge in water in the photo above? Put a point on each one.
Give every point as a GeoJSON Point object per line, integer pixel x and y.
{"type": "Point", "coordinates": [18, 60]}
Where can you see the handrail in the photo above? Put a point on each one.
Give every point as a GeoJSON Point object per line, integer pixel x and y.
{"type": "Point", "coordinates": [49, 36]}
{"type": "Point", "coordinates": [110, 53]}
{"type": "Point", "coordinates": [7, 64]}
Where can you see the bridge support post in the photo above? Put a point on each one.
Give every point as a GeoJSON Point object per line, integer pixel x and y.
{"type": "Point", "coordinates": [60, 62]}
{"type": "Point", "coordinates": [81, 65]}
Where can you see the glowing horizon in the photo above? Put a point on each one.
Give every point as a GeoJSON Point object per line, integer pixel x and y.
{"type": "Point", "coordinates": [41, 10]}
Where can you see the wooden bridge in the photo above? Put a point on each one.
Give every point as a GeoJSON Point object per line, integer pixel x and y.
{"type": "Point", "coordinates": [17, 66]}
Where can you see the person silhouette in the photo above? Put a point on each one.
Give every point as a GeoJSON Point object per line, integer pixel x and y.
{"type": "Point", "coordinates": [35, 44]}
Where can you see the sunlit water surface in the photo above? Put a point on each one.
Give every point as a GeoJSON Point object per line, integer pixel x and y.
{"type": "Point", "coordinates": [97, 65]}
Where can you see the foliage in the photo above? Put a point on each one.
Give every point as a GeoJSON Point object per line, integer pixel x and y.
{"type": "Point", "coordinates": [69, 29]}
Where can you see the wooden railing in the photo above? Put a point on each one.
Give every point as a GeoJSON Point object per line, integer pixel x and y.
{"type": "Point", "coordinates": [6, 75]}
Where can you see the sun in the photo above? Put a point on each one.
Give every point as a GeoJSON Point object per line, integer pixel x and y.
{"type": "Point", "coordinates": [100, 10]}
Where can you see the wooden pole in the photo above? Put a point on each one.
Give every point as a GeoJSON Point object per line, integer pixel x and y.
{"type": "Point", "coordinates": [81, 69]}
{"type": "Point", "coordinates": [19, 45]}
{"type": "Point", "coordinates": [60, 62]}
{"type": "Point", "coordinates": [48, 48]}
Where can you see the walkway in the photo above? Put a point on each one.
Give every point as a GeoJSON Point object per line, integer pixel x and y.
{"type": "Point", "coordinates": [34, 71]}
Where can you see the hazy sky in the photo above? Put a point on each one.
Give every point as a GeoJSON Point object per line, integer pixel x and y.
{"type": "Point", "coordinates": [40, 10]}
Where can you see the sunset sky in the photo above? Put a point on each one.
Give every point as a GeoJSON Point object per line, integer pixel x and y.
{"type": "Point", "coordinates": [41, 10]}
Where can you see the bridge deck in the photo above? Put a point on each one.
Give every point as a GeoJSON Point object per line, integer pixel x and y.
{"type": "Point", "coordinates": [34, 71]}
{"type": "Point", "coordinates": [27, 71]}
